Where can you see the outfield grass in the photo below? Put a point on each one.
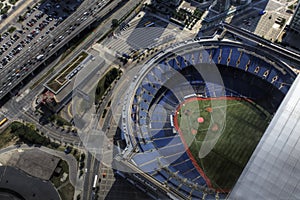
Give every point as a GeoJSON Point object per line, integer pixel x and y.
{"type": "Point", "coordinates": [238, 133]}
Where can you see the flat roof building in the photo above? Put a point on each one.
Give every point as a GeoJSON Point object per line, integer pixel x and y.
{"type": "Point", "coordinates": [273, 171]}
{"type": "Point", "coordinates": [295, 23]}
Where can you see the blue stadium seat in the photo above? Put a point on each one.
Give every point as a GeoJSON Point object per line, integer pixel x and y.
{"type": "Point", "coordinates": [215, 55]}
{"type": "Point", "coordinates": [150, 166]}
{"type": "Point", "coordinates": [284, 89]}
{"type": "Point", "coordinates": [149, 88]}
{"type": "Point", "coordinates": [183, 166]}
{"type": "Point", "coordinates": [243, 61]}
{"type": "Point", "coordinates": [182, 158]}
{"type": "Point", "coordinates": [138, 91]}
{"type": "Point", "coordinates": [173, 182]}
{"type": "Point", "coordinates": [142, 121]}
{"type": "Point", "coordinates": [135, 100]}
{"type": "Point", "coordinates": [205, 55]}
{"type": "Point", "coordinates": [175, 157]}
{"type": "Point", "coordinates": [181, 62]}
{"type": "Point", "coordinates": [262, 70]}
{"type": "Point", "coordinates": [143, 114]}
{"type": "Point", "coordinates": [169, 100]}
{"type": "Point", "coordinates": [158, 133]}
{"type": "Point", "coordinates": [253, 65]}
{"type": "Point", "coordinates": [188, 58]}
{"type": "Point", "coordinates": [196, 57]}
{"type": "Point", "coordinates": [158, 117]}
{"type": "Point", "coordinates": [234, 57]}
{"type": "Point", "coordinates": [147, 97]}
{"type": "Point", "coordinates": [163, 133]}
{"type": "Point", "coordinates": [186, 189]}
{"type": "Point", "coordinates": [191, 174]}
{"type": "Point", "coordinates": [144, 129]}
{"type": "Point", "coordinates": [164, 173]}
{"type": "Point", "coordinates": [225, 55]}
{"type": "Point", "coordinates": [151, 78]}
{"type": "Point", "coordinates": [157, 72]}
{"type": "Point", "coordinates": [222, 196]}
{"type": "Point", "coordinates": [271, 75]}
{"type": "Point", "coordinates": [159, 178]}
{"type": "Point", "coordinates": [210, 196]}
{"type": "Point", "coordinates": [169, 150]}
{"type": "Point", "coordinates": [162, 142]}
{"type": "Point", "coordinates": [144, 106]}
{"type": "Point", "coordinates": [147, 147]}
{"type": "Point", "coordinates": [164, 67]}
{"type": "Point", "coordinates": [157, 125]}
{"type": "Point", "coordinates": [197, 194]}
{"type": "Point", "coordinates": [144, 157]}
{"type": "Point", "coordinates": [173, 64]}
{"type": "Point", "coordinates": [199, 180]}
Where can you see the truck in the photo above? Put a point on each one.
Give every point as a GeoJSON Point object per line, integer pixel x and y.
{"type": "Point", "coordinates": [40, 57]}
{"type": "Point", "coordinates": [95, 181]}
{"type": "Point", "coordinates": [262, 12]}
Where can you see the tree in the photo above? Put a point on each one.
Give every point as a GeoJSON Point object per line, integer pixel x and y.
{"type": "Point", "coordinates": [82, 157]}
{"type": "Point", "coordinates": [81, 165]}
{"type": "Point", "coordinates": [75, 152]}
{"type": "Point", "coordinates": [115, 23]}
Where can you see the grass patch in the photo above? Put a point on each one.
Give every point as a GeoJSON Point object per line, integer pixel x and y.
{"type": "Point", "coordinates": [65, 169]}
{"type": "Point", "coordinates": [244, 126]}
{"type": "Point", "coordinates": [58, 120]}
{"type": "Point", "coordinates": [11, 29]}
{"type": "Point", "coordinates": [67, 192]}
{"type": "Point", "coordinates": [13, 1]}
{"type": "Point", "coordinates": [28, 134]}
{"type": "Point", "coordinates": [18, 132]}
{"type": "Point", "coordinates": [72, 65]}
{"type": "Point", "coordinates": [7, 137]}
{"type": "Point", "coordinates": [5, 9]}
{"type": "Point", "coordinates": [105, 82]}
{"type": "Point", "coordinates": [65, 188]}
{"type": "Point", "coordinates": [42, 78]}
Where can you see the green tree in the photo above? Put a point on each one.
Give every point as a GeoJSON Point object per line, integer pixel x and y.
{"type": "Point", "coordinates": [115, 23]}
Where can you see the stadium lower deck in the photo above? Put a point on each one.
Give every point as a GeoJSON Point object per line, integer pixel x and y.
{"type": "Point", "coordinates": [174, 78]}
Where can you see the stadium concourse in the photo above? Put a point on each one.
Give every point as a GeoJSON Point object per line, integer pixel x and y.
{"type": "Point", "coordinates": [154, 146]}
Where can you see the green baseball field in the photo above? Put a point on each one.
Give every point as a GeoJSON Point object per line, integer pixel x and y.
{"type": "Point", "coordinates": [220, 134]}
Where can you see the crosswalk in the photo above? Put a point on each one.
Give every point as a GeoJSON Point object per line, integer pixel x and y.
{"type": "Point", "coordinates": [134, 38]}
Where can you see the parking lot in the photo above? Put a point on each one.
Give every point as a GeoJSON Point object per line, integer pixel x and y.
{"type": "Point", "coordinates": [268, 25]}
{"type": "Point", "coordinates": [34, 26]}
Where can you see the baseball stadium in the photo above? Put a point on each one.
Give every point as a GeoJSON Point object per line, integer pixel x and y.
{"type": "Point", "coordinates": [196, 112]}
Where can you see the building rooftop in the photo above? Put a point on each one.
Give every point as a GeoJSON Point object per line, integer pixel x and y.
{"type": "Point", "coordinates": [274, 168]}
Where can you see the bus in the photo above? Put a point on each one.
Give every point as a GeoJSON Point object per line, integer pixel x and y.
{"type": "Point", "coordinates": [3, 121]}
{"type": "Point", "coordinates": [95, 181]}
{"type": "Point", "coordinates": [148, 24]}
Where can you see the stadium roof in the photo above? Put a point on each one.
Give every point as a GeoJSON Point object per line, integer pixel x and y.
{"type": "Point", "coordinates": [273, 171]}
